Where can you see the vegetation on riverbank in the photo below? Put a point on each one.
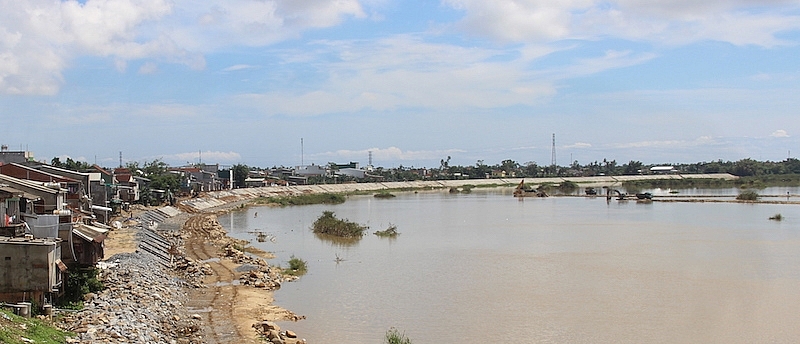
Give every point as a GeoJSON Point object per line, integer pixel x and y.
{"type": "Point", "coordinates": [18, 330]}
{"type": "Point", "coordinates": [297, 267]}
{"type": "Point", "coordinates": [384, 194]}
{"type": "Point", "coordinates": [329, 224]}
{"type": "Point", "coordinates": [390, 232]}
{"type": "Point", "coordinates": [306, 199]}
{"type": "Point", "coordinates": [394, 336]}
{"type": "Point", "coordinates": [78, 283]}
{"type": "Point", "coordinates": [748, 195]}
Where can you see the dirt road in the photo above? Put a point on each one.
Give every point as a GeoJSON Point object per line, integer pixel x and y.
{"type": "Point", "coordinates": [227, 308]}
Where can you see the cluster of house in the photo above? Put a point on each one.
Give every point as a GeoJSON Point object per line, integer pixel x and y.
{"type": "Point", "coordinates": [54, 219]}
{"type": "Point", "coordinates": [300, 174]}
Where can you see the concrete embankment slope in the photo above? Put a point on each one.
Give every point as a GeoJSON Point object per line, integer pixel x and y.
{"type": "Point", "coordinates": [219, 198]}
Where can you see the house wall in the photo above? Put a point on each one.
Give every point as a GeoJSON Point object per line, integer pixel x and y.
{"type": "Point", "coordinates": [27, 266]}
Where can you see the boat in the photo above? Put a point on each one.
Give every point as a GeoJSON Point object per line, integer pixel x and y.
{"type": "Point", "coordinates": [644, 195]}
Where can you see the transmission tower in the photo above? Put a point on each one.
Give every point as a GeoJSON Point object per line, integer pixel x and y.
{"type": "Point", "coordinates": [553, 158]}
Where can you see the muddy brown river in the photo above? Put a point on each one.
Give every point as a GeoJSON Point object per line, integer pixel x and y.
{"type": "Point", "coordinates": [487, 267]}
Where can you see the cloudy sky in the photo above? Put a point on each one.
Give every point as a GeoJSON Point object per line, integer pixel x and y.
{"type": "Point", "coordinates": [412, 81]}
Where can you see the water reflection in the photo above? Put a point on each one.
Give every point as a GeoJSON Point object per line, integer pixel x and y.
{"type": "Point", "coordinates": [336, 241]}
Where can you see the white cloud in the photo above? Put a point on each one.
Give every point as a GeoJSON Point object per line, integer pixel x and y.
{"type": "Point", "coordinates": [779, 133]}
{"type": "Point", "coordinates": [148, 68]}
{"type": "Point", "coordinates": [668, 22]}
{"type": "Point", "coordinates": [385, 154]}
{"type": "Point", "coordinates": [579, 145]}
{"type": "Point", "coordinates": [237, 68]}
{"type": "Point", "coordinates": [39, 38]}
{"type": "Point", "coordinates": [406, 72]}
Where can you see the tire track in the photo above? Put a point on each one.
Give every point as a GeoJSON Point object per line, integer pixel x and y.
{"type": "Point", "coordinates": [215, 303]}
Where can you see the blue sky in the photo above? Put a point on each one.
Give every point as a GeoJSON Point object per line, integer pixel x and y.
{"type": "Point", "coordinates": [242, 81]}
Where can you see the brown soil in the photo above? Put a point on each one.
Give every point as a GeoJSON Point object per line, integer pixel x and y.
{"type": "Point", "coordinates": [228, 310]}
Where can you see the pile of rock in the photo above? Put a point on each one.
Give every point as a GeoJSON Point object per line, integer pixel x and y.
{"type": "Point", "coordinates": [271, 332]}
{"type": "Point", "coordinates": [193, 271]}
{"type": "Point", "coordinates": [141, 303]}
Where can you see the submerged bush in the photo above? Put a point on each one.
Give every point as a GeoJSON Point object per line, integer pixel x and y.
{"type": "Point", "coordinates": [305, 199]}
{"type": "Point", "coordinates": [327, 223]}
{"type": "Point", "coordinates": [394, 336]}
{"type": "Point", "coordinates": [391, 231]}
{"type": "Point", "coordinates": [296, 267]}
{"type": "Point", "coordinates": [384, 194]}
{"type": "Point", "coordinates": [748, 196]}
{"type": "Point", "coordinates": [776, 217]}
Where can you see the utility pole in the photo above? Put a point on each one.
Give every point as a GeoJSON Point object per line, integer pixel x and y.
{"type": "Point", "coordinates": [120, 159]}
{"type": "Point", "coordinates": [302, 163]}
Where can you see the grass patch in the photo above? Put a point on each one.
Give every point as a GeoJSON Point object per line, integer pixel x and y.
{"type": "Point", "coordinates": [394, 336]}
{"type": "Point", "coordinates": [390, 232]}
{"type": "Point", "coordinates": [18, 330]}
{"type": "Point", "coordinates": [327, 223]}
{"type": "Point", "coordinates": [776, 217]}
{"type": "Point", "coordinates": [297, 267]}
{"type": "Point", "coordinates": [748, 196]}
{"type": "Point", "coordinates": [306, 199]}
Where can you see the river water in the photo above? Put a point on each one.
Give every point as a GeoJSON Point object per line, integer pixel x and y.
{"type": "Point", "coordinates": [488, 267]}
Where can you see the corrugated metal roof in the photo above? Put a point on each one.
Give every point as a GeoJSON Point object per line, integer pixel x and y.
{"type": "Point", "coordinates": [89, 232]}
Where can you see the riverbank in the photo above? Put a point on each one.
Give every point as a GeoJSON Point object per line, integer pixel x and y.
{"type": "Point", "coordinates": [215, 199]}
{"type": "Point", "coordinates": [210, 288]}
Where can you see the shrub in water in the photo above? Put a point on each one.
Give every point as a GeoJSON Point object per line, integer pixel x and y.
{"type": "Point", "coordinates": [327, 223]}
{"type": "Point", "coordinates": [393, 336]}
{"type": "Point", "coordinates": [748, 196]}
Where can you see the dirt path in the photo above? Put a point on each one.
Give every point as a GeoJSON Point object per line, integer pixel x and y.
{"type": "Point", "coordinates": [227, 308]}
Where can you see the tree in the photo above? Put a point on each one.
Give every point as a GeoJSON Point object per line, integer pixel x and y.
{"type": "Point", "coordinates": [240, 174]}
{"type": "Point", "coordinates": [632, 167]}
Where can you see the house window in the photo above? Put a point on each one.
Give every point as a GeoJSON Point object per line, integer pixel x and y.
{"type": "Point", "coordinates": [8, 258]}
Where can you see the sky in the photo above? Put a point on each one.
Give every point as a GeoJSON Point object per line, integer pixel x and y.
{"type": "Point", "coordinates": [285, 82]}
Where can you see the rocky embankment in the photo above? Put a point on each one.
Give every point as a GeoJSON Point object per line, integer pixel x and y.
{"type": "Point", "coordinates": [192, 299]}
{"type": "Point", "coordinates": [142, 303]}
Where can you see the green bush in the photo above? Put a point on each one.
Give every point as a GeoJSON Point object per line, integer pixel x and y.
{"type": "Point", "coordinates": [384, 194]}
{"type": "Point", "coordinates": [391, 231]}
{"type": "Point", "coordinates": [297, 267]}
{"type": "Point", "coordinates": [394, 336]}
{"type": "Point", "coordinates": [306, 199]}
{"type": "Point", "coordinates": [327, 223]}
{"type": "Point", "coordinates": [748, 196]}
{"type": "Point", "coordinates": [79, 282]}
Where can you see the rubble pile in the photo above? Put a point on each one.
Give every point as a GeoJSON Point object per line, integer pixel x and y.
{"type": "Point", "coordinates": [193, 271]}
{"type": "Point", "coordinates": [257, 272]}
{"type": "Point", "coordinates": [272, 333]}
{"type": "Point", "coordinates": [142, 303]}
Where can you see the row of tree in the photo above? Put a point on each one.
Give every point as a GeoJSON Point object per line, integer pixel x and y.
{"type": "Point", "coordinates": [160, 178]}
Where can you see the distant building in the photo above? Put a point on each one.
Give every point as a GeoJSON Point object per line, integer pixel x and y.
{"type": "Point", "coordinates": [310, 170]}
{"type": "Point", "coordinates": [7, 157]}
{"type": "Point", "coordinates": [663, 169]}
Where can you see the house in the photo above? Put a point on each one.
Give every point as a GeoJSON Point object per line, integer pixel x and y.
{"type": "Point", "coordinates": [7, 157]}
{"type": "Point", "coordinates": [310, 170]}
{"type": "Point", "coordinates": [43, 207]}
{"type": "Point", "coordinates": [127, 188]}
{"type": "Point", "coordinates": [94, 186]}
{"type": "Point", "coordinates": [30, 268]}
{"type": "Point", "coordinates": [76, 196]}
{"type": "Point", "coordinates": [352, 172]}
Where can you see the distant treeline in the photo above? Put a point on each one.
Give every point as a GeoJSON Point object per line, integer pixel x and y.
{"type": "Point", "coordinates": [510, 169]}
